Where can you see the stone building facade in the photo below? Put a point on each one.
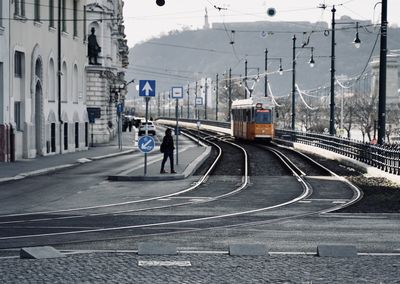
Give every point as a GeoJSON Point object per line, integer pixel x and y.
{"type": "Point", "coordinates": [106, 84]}
{"type": "Point", "coordinates": [47, 119]}
{"type": "Point", "coordinates": [5, 125]}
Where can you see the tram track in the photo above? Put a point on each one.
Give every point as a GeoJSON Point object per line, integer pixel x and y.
{"type": "Point", "coordinates": [175, 224]}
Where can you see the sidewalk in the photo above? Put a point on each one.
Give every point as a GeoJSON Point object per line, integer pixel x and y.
{"type": "Point", "coordinates": [41, 165]}
{"type": "Point", "coordinates": [190, 155]}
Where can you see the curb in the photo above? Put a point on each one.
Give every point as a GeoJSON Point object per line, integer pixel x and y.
{"type": "Point", "coordinates": [189, 170]}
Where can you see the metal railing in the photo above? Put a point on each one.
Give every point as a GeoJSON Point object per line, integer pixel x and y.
{"type": "Point", "coordinates": [386, 157]}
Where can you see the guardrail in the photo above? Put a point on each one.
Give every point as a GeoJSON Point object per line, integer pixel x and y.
{"type": "Point", "coordinates": [386, 157]}
{"type": "Point", "coordinates": [222, 124]}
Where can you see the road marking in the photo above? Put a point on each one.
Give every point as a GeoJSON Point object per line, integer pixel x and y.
{"type": "Point", "coordinates": [183, 263]}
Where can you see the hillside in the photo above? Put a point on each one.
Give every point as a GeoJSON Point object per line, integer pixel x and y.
{"type": "Point", "coordinates": [182, 56]}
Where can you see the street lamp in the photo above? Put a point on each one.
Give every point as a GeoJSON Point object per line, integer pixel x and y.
{"type": "Point", "coordinates": [357, 44]}
{"type": "Point", "coordinates": [280, 70]}
{"type": "Point", "coordinates": [312, 62]}
{"type": "Point", "coordinates": [382, 75]}
{"type": "Point", "coordinates": [294, 77]}
{"type": "Point", "coordinates": [245, 77]}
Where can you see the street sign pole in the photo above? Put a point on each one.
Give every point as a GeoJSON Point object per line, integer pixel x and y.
{"type": "Point", "coordinates": [147, 89]}
{"type": "Point", "coordinates": [177, 93]}
{"type": "Point", "coordinates": [176, 131]}
{"type": "Point", "coordinates": [146, 133]}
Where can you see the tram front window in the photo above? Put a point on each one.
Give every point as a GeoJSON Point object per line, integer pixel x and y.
{"type": "Point", "coordinates": [263, 116]}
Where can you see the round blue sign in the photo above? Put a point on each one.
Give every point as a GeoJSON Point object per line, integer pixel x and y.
{"type": "Point", "coordinates": [146, 144]}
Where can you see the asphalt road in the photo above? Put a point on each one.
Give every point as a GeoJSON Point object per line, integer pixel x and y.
{"type": "Point", "coordinates": [253, 215]}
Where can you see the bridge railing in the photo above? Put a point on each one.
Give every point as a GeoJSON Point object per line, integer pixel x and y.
{"type": "Point", "coordinates": [383, 157]}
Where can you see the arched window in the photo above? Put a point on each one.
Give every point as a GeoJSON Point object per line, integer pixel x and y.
{"type": "Point", "coordinates": [64, 83]}
{"type": "Point", "coordinates": [52, 82]}
{"type": "Point", "coordinates": [75, 85]}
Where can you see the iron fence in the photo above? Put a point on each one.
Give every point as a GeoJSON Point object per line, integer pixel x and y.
{"type": "Point", "coordinates": [383, 157]}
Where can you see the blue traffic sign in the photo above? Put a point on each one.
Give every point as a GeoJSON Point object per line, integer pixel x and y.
{"type": "Point", "coordinates": [146, 144]}
{"type": "Point", "coordinates": [147, 88]}
{"type": "Point", "coordinates": [120, 108]}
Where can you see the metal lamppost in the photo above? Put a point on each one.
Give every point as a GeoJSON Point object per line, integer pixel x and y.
{"type": "Point", "coordinates": [188, 101]}
{"type": "Point", "coordinates": [382, 75]}
{"type": "Point", "coordinates": [216, 97]}
{"type": "Point", "coordinates": [246, 89]}
{"type": "Point", "coordinates": [357, 43]}
{"type": "Point", "coordinates": [280, 70]}
{"type": "Point", "coordinates": [311, 62]}
{"type": "Point", "coordinates": [230, 94]}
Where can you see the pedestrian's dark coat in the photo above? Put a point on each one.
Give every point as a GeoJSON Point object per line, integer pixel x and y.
{"type": "Point", "coordinates": [168, 142]}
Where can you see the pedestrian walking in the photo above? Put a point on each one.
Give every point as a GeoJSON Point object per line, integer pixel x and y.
{"type": "Point", "coordinates": [167, 148]}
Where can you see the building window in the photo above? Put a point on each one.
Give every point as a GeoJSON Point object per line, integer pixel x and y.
{"type": "Point", "coordinates": [1, 13]}
{"type": "Point", "coordinates": [36, 15]}
{"type": "Point", "coordinates": [53, 137]}
{"type": "Point", "coordinates": [17, 115]}
{"type": "Point", "coordinates": [86, 134]}
{"type": "Point", "coordinates": [75, 11]}
{"type": "Point", "coordinates": [75, 85]}
{"type": "Point", "coordinates": [84, 23]}
{"type": "Point", "coordinates": [18, 61]}
{"type": "Point", "coordinates": [52, 81]}
{"type": "Point", "coordinates": [63, 16]}
{"type": "Point", "coordinates": [65, 136]}
{"type": "Point", "coordinates": [51, 13]}
{"type": "Point", "coordinates": [64, 83]}
{"type": "Point", "coordinates": [76, 135]}
{"type": "Point", "coordinates": [19, 8]}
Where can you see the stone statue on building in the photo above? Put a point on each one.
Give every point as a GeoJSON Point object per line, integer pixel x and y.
{"type": "Point", "coordinates": [93, 48]}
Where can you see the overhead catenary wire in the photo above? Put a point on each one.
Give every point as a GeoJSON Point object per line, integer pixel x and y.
{"type": "Point", "coordinates": [302, 99]}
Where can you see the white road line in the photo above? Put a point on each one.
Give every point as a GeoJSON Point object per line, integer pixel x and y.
{"type": "Point", "coordinates": [180, 263]}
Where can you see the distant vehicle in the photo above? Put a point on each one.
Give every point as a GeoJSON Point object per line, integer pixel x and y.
{"type": "Point", "coordinates": [253, 119]}
{"type": "Point", "coordinates": [151, 129]}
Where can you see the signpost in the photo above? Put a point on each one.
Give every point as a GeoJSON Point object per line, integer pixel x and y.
{"type": "Point", "coordinates": [120, 110]}
{"type": "Point", "coordinates": [177, 93]}
{"type": "Point", "coordinates": [147, 89]}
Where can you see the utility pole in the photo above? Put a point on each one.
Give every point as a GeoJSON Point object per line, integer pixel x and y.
{"type": "Point", "coordinates": [205, 98]}
{"type": "Point", "coordinates": [230, 94]}
{"type": "Point", "coordinates": [245, 79]}
{"type": "Point", "coordinates": [216, 98]}
{"type": "Point", "coordinates": [294, 84]}
{"type": "Point", "coordinates": [158, 104]}
{"type": "Point", "coordinates": [188, 101]}
{"type": "Point", "coordinates": [332, 105]}
{"type": "Point", "coordinates": [382, 76]}
{"type": "Point", "coordinates": [196, 114]}
{"type": "Point", "coordinates": [266, 76]}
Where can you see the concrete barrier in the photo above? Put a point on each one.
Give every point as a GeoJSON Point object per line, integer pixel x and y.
{"type": "Point", "coordinates": [336, 251]}
{"type": "Point", "coordinates": [39, 253]}
{"type": "Point", "coordinates": [248, 249]}
{"type": "Point", "coordinates": [157, 248]}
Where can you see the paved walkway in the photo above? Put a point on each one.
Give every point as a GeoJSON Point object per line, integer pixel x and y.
{"type": "Point", "coordinates": [190, 158]}
{"type": "Point", "coordinates": [200, 268]}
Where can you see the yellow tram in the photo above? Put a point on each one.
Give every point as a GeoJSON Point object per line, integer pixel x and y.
{"type": "Point", "coordinates": [253, 119]}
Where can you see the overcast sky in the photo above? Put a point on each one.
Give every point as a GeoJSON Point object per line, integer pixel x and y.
{"type": "Point", "coordinates": [144, 19]}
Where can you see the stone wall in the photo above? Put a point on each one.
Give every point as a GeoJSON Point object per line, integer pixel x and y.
{"type": "Point", "coordinates": [98, 95]}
